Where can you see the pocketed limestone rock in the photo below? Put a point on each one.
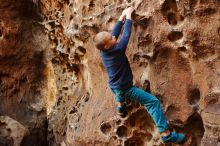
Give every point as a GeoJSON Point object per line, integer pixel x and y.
{"type": "Point", "coordinates": [11, 131]}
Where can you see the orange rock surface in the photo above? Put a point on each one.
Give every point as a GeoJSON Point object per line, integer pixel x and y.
{"type": "Point", "coordinates": [53, 82]}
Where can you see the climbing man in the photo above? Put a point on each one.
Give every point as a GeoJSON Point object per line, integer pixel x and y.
{"type": "Point", "coordinates": [120, 76]}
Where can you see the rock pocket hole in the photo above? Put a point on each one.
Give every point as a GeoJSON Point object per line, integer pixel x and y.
{"type": "Point", "coordinates": [146, 86]}
{"type": "Point", "coordinates": [171, 112]}
{"type": "Point", "coordinates": [105, 128]}
{"type": "Point", "coordinates": [195, 127]}
{"type": "Point", "coordinates": [206, 11]}
{"type": "Point", "coordinates": [1, 30]}
{"type": "Point", "coordinates": [140, 119]}
{"type": "Point", "coordinates": [81, 50]}
{"type": "Point", "coordinates": [171, 17]}
{"type": "Point", "coordinates": [114, 137]}
{"type": "Point", "coordinates": [136, 141]}
{"type": "Point", "coordinates": [194, 97]}
{"type": "Point", "coordinates": [175, 35]}
{"type": "Point", "coordinates": [170, 10]}
{"type": "Point", "coordinates": [122, 131]}
{"type": "Point", "coordinates": [182, 49]}
{"type": "Point", "coordinates": [136, 57]}
{"type": "Point", "coordinates": [169, 5]}
{"type": "Point", "coordinates": [6, 141]}
{"type": "Point", "coordinates": [144, 41]}
{"type": "Point", "coordinates": [118, 122]}
{"type": "Point", "coordinates": [219, 31]}
{"type": "Point", "coordinates": [143, 21]}
{"type": "Point", "coordinates": [1, 33]}
{"type": "Point", "coordinates": [65, 88]}
{"type": "Point", "coordinates": [91, 4]}
{"type": "Point", "coordinates": [193, 3]}
{"type": "Point", "coordinates": [213, 101]}
{"type": "Point", "coordinates": [68, 50]}
{"type": "Point", "coordinates": [181, 18]}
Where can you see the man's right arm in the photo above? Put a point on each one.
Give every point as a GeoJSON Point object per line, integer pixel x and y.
{"type": "Point", "coordinates": [117, 29]}
{"type": "Point", "coordinates": [127, 30]}
{"type": "Point", "coordinates": [118, 25]}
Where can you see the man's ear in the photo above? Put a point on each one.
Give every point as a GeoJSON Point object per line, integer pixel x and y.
{"type": "Point", "coordinates": [106, 46]}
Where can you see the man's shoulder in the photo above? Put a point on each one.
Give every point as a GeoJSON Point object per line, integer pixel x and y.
{"type": "Point", "coordinates": [114, 49]}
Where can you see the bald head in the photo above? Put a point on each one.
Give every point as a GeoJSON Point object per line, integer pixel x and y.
{"type": "Point", "coordinates": [101, 38]}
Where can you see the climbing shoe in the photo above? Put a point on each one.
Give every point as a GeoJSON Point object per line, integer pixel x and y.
{"type": "Point", "coordinates": [178, 138]}
{"type": "Point", "coordinates": [121, 111]}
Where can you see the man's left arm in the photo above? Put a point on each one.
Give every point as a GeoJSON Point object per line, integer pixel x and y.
{"type": "Point", "coordinates": [118, 26]}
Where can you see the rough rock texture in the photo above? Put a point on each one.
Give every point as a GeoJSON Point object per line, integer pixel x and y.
{"type": "Point", "coordinates": [50, 70]}
{"type": "Point", "coordinates": [12, 132]}
{"type": "Point", "coordinates": [26, 75]}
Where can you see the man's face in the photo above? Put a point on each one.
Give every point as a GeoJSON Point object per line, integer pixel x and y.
{"type": "Point", "coordinates": [110, 41]}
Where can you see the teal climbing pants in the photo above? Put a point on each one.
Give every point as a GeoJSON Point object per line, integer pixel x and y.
{"type": "Point", "coordinates": [150, 102]}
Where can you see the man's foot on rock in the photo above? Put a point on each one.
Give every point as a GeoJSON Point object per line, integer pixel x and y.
{"type": "Point", "coordinates": [123, 115]}
{"type": "Point", "coordinates": [178, 138]}
{"type": "Point", "coordinates": [121, 111]}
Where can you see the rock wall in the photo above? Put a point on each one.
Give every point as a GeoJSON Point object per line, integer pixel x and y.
{"type": "Point", "coordinates": [54, 84]}
{"type": "Point", "coordinates": [26, 75]}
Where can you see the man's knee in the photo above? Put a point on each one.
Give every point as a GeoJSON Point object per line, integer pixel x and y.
{"type": "Point", "coordinates": [155, 101]}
